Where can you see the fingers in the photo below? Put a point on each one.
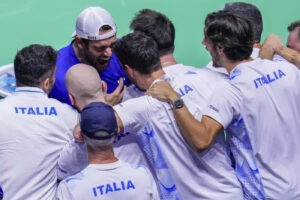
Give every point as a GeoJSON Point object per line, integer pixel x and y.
{"type": "Point", "coordinates": [120, 86]}
{"type": "Point", "coordinates": [123, 92]}
{"type": "Point", "coordinates": [117, 95]}
{"type": "Point", "coordinates": [286, 53]}
{"type": "Point", "coordinates": [162, 91]}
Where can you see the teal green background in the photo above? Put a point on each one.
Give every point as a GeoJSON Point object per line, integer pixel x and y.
{"type": "Point", "coordinates": [24, 22]}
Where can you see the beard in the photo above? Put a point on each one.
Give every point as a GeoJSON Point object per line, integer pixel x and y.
{"type": "Point", "coordinates": [137, 86]}
{"type": "Point", "coordinates": [216, 59]}
{"type": "Point", "coordinates": [99, 63]}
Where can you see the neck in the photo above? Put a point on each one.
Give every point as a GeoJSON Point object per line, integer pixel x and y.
{"type": "Point", "coordinates": [167, 60]}
{"type": "Point", "coordinates": [231, 65]}
{"type": "Point", "coordinates": [149, 79]}
{"type": "Point", "coordinates": [81, 103]}
{"type": "Point", "coordinates": [101, 157]}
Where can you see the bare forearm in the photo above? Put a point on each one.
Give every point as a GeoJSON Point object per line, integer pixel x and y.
{"type": "Point", "coordinates": [291, 55]}
{"type": "Point", "coordinates": [193, 131]}
{"type": "Point", "coordinates": [271, 43]}
{"type": "Point", "coordinates": [266, 52]}
{"type": "Point", "coordinates": [198, 134]}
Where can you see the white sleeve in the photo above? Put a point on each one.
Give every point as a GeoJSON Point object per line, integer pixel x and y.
{"type": "Point", "coordinates": [134, 113]}
{"type": "Point", "coordinates": [63, 192]}
{"type": "Point", "coordinates": [71, 117]}
{"type": "Point", "coordinates": [224, 104]}
{"type": "Point", "coordinates": [72, 159]}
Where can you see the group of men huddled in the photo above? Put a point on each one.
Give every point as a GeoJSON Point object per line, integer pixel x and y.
{"type": "Point", "coordinates": [139, 125]}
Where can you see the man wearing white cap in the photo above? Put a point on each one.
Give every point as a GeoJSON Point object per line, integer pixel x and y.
{"type": "Point", "coordinates": [95, 33]}
{"type": "Point", "coordinates": [106, 176]}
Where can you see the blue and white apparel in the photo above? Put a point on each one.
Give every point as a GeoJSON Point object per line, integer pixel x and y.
{"type": "Point", "coordinates": [259, 107]}
{"type": "Point", "coordinates": [34, 130]}
{"type": "Point", "coordinates": [117, 180]}
{"type": "Point", "coordinates": [170, 150]}
{"type": "Point", "coordinates": [173, 70]}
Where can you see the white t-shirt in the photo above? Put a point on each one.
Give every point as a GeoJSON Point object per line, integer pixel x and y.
{"type": "Point", "coordinates": [205, 175]}
{"type": "Point", "coordinates": [259, 107]}
{"type": "Point", "coordinates": [117, 180]}
{"type": "Point", "coordinates": [34, 129]}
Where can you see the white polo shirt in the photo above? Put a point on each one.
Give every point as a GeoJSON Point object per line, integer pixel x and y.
{"type": "Point", "coordinates": [127, 145]}
{"type": "Point", "coordinates": [34, 129]}
{"type": "Point", "coordinates": [117, 180]}
{"type": "Point", "coordinates": [259, 107]}
{"type": "Point", "coordinates": [205, 175]}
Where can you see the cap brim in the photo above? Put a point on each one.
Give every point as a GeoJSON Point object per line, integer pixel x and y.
{"type": "Point", "coordinates": [74, 34]}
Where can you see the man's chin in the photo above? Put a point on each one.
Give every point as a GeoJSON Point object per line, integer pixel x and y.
{"type": "Point", "coordinates": [102, 66]}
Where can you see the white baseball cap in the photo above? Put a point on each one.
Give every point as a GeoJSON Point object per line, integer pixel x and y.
{"type": "Point", "coordinates": [89, 22]}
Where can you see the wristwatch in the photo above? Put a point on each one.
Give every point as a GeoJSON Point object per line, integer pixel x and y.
{"type": "Point", "coordinates": [178, 103]}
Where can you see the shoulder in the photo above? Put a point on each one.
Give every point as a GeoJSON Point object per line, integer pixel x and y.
{"type": "Point", "coordinates": [63, 108]}
{"type": "Point", "coordinates": [136, 169]}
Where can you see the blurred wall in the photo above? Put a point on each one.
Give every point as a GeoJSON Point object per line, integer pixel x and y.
{"type": "Point", "coordinates": [52, 22]}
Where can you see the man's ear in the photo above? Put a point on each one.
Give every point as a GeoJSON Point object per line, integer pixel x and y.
{"type": "Point", "coordinates": [129, 70]}
{"type": "Point", "coordinates": [79, 42]}
{"type": "Point", "coordinates": [72, 99]}
{"type": "Point", "coordinates": [220, 49]}
{"type": "Point", "coordinates": [45, 85]}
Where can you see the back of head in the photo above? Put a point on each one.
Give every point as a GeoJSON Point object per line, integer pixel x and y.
{"type": "Point", "coordinates": [33, 64]}
{"type": "Point", "coordinates": [83, 82]}
{"type": "Point", "coordinates": [232, 32]}
{"type": "Point", "coordinates": [157, 26]}
{"type": "Point", "coordinates": [251, 13]}
{"type": "Point", "coordinates": [138, 51]}
{"type": "Point", "coordinates": [98, 125]}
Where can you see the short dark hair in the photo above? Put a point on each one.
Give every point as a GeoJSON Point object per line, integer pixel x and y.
{"type": "Point", "coordinates": [251, 13]}
{"type": "Point", "coordinates": [231, 31]}
{"type": "Point", "coordinates": [33, 64]}
{"type": "Point", "coordinates": [157, 26]}
{"type": "Point", "coordinates": [139, 51]}
{"type": "Point", "coordinates": [293, 26]}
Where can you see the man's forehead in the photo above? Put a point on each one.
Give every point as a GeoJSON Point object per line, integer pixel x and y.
{"type": "Point", "coordinates": [104, 42]}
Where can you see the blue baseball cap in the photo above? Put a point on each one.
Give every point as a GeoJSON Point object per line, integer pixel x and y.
{"type": "Point", "coordinates": [98, 116]}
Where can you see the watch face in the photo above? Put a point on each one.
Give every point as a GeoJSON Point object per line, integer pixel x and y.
{"type": "Point", "coordinates": [178, 104]}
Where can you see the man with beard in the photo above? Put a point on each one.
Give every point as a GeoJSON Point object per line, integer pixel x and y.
{"type": "Point", "coordinates": [34, 128]}
{"type": "Point", "coordinates": [258, 106]}
{"type": "Point", "coordinates": [209, 173]}
{"type": "Point", "coordinates": [94, 36]}
{"type": "Point", "coordinates": [251, 13]}
{"type": "Point", "coordinates": [180, 172]}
